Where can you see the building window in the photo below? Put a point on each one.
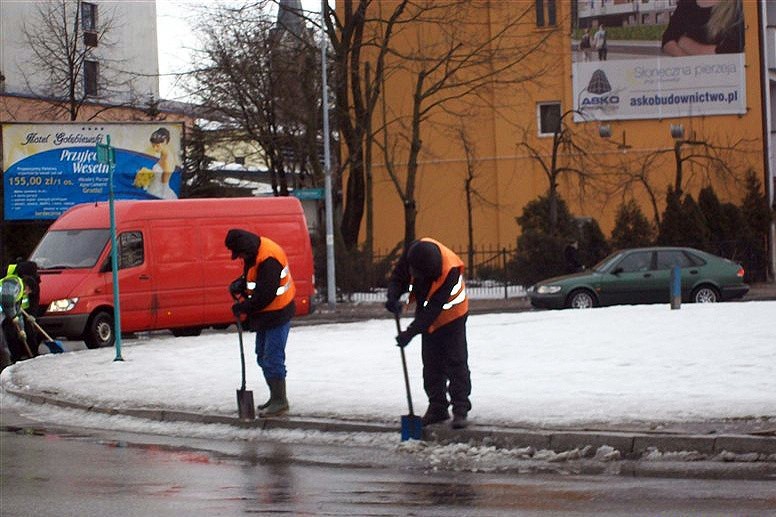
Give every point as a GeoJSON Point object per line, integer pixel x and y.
{"type": "Point", "coordinates": [88, 16]}
{"type": "Point", "coordinates": [549, 118]}
{"type": "Point", "coordinates": [546, 13]}
{"type": "Point", "coordinates": [91, 74]}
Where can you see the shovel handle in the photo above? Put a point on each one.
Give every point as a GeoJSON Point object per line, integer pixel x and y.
{"type": "Point", "coordinates": [404, 367]}
{"type": "Point", "coordinates": [242, 352]}
{"type": "Point", "coordinates": [37, 325]}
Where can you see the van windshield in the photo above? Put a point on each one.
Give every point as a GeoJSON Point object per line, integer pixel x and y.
{"type": "Point", "coordinates": [65, 249]}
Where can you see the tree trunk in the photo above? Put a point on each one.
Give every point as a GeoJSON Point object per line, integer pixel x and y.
{"type": "Point", "coordinates": [410, 210]}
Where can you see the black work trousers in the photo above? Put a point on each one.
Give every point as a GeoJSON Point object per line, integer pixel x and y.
{"type": "Point", "coordinates": [446, 368]}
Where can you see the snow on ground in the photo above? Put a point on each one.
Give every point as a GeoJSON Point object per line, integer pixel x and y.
{"type": "Point", "coordinates": [545, 368]}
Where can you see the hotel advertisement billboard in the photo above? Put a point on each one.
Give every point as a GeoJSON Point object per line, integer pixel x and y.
{"type": "Point", "coordinates": [50, 167]}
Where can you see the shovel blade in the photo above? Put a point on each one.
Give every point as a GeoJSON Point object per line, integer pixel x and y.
{"type": "Point", "coordinates": [55, 347]}
{"type": "Point", "coordinates": [245, 407]}
{"type": "Point", "coordinates": [411, 428]}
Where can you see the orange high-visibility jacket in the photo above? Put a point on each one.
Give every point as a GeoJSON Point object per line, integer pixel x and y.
{"type": "Point", "coordinates": [286, 289]}
{"type": "Point", "coordinates": [457, 304]}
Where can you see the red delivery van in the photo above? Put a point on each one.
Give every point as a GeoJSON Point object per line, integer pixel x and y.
{"type": "Point", "coordinates": [174, 270]}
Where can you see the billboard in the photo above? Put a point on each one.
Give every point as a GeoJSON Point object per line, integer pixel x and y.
{"type": "Point", "coordinates": [658, 59]}
{"type": "Point", "coordinates": [47, 168]}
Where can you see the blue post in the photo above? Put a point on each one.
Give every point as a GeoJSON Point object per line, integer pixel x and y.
{"type": "Point", "coordinates": [114, 260]}
{"type": "Point", "coordinates": [676, 287]}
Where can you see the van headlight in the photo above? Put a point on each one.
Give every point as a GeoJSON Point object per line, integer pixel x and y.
{"type": "Point", "coordinates": [548, 289]}
{"type": "Point", "coordinates": [64, 305]}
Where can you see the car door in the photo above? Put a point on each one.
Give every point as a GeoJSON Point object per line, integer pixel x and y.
{"type": "Point", "coordinates": [689, 270]}
{"type": "Point", "coordinates": [630, 280]}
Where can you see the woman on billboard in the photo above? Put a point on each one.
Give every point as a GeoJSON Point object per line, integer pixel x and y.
{"type": "Point", "coordinates": [156, 181]}
{"type": "Point", "coordinates": [701, 27]}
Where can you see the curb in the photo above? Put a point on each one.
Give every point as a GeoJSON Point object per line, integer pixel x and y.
{"type": "Point", "coordinates": [630, 445]}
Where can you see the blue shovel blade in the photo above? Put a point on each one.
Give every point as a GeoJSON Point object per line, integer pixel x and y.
{"type": "Point", "coordinates": [411, 428]}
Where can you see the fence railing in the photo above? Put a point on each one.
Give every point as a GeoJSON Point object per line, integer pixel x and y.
{"type": "Point", "coordinates": [485, 291]}
{"type": "Point", "coordinates": [484, 262]}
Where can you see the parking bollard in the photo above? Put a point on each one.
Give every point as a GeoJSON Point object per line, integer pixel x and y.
{"type": "Point", "coordinates": [676, 288]}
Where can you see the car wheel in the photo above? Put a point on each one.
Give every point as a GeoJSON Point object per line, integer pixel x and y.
{"type": "Point", "coordinates": [705, 294]}
{"type": "Point", "coordinates": [186, 331]}
{"type": "Point", "coordinates": [581, 299]}
{"type": "Point", "coordinates": [99, 331]}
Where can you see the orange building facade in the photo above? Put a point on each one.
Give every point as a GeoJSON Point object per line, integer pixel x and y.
{"type": "Point", "coordinates": [627, 116]}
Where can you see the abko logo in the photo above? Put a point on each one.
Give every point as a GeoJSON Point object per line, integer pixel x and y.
{"type": "Point", "coordinates": [599, 86]}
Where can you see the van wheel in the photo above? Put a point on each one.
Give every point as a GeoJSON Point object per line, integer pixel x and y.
{"type": "Point", "coordinates": [99, 331]}
{"type": "Point", "coordinates": [186, 331]}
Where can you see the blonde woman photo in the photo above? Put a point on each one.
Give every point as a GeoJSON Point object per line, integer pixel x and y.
{"type": "Point", "coordinates": [701, 27]}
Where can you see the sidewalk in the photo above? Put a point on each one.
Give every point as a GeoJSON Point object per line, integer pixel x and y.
{"type": "Point", "coordinates": [639, 376]}
{"type": "Point", "coordinates": [744, 440]}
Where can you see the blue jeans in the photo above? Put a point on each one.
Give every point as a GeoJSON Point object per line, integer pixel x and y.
{"type": "Point", "coordinates": [271, 351]}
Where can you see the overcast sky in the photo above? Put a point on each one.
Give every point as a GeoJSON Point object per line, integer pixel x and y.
{"type": "Point", "coordinates": [176, 37]}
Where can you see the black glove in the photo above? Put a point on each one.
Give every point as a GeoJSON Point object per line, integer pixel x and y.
{"type": "Point", "coordinates": [238, 286]}
{"type": "Point", "coordinates": [240, 308]}
{"type": "Point", "coordinates": [393, 306]}
{"type": "Point", "coordinates": [404, 338]}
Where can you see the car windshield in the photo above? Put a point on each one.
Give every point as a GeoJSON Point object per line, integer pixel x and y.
{"type": "Point", "coordinates": [64, 249]}
{"type": "Point", "coordinates": [606, 264]}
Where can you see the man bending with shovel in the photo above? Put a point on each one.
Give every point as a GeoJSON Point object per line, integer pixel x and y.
{"type": "Point", "coordinates": [267, 294]}
{"type": "Point", "coordinates": [433, 275]}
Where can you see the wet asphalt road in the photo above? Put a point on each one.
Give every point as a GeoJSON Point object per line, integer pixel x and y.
{"type": "Point", "coordinates": [54, 472]}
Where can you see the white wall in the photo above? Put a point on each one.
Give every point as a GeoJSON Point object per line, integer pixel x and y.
{"type": "Point", "coordinates": [131, 61]}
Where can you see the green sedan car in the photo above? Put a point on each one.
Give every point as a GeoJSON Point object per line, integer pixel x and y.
{"type": "Point", "coordinates": [643, 275]}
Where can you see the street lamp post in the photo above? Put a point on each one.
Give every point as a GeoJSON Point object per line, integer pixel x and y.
{"type": "Point", "coordinates": [331, 285]}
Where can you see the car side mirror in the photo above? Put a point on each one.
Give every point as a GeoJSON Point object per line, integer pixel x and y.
{"type": "Point", "coordinates": [617, 271]}
{"type": "Point", "coordinates": [106, 266]}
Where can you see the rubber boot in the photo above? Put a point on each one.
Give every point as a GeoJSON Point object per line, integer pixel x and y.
{"type": "Point", "coordinates": [269, 400]}
{"type": "Point", "coordinates": [278, 403]}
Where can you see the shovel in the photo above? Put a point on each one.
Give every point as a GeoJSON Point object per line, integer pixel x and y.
{"type": "Point", "coordinates": [245, 407]}
{"type": "Point", "coordinates": [411, 425]}
{"type": "Point", "coordinates": [54, 346]}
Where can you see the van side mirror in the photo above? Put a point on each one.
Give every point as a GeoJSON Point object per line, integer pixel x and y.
{"type": "Point", "coordinates": [616, 271]}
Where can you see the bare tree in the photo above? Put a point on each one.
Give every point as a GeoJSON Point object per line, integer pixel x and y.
{"type": "Point", "coordinates": [361, 34]}
{"type": "Point", "coordinates": [473, 196]}
{"type": "Point", "coordinates": [262, 82]}
{"type": "Point", "coordinates": [453, 66]}
{"type": "Point", "coordinates": [693, 158]}
{"type": "Point", "coordinates": [568, 157]}
{"type": "Point", "coordinates": [62, 51]}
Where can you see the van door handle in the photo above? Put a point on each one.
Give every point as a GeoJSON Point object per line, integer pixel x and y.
{"type": "Point", "coordinates": [647, 275]}
{"type": "Point", "coordinates": [693, 271]}
{"type": "Point", "coordinates": [144, 277]}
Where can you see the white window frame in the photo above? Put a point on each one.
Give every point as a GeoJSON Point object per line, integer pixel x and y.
{"type": "Point", "coordinates": [539, 106]}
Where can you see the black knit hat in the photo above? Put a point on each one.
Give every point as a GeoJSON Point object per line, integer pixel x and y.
{"type": "Point", "coordinates": [425, 260]}
{"type": "Point", "coordinates": [242, 241]}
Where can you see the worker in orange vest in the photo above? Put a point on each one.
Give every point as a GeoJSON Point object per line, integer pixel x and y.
{"type": "Point", "coordinates": [266, 290]}
{"type": "Point", "coordinates": [433, 275]}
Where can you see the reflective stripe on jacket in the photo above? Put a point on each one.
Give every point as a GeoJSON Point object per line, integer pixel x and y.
{"type": "Point", "coordinates": [457, 304]}
{"type": "Point", "coordinates": [286, 289]}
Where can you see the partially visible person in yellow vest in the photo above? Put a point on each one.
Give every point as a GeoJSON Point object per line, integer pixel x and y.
{"type": "Point", "coordinates": [266, 289]}
{"type": "Point", "coordinates": [433, 275]}
{"type": "Point", "coordinates": [19, 290]}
